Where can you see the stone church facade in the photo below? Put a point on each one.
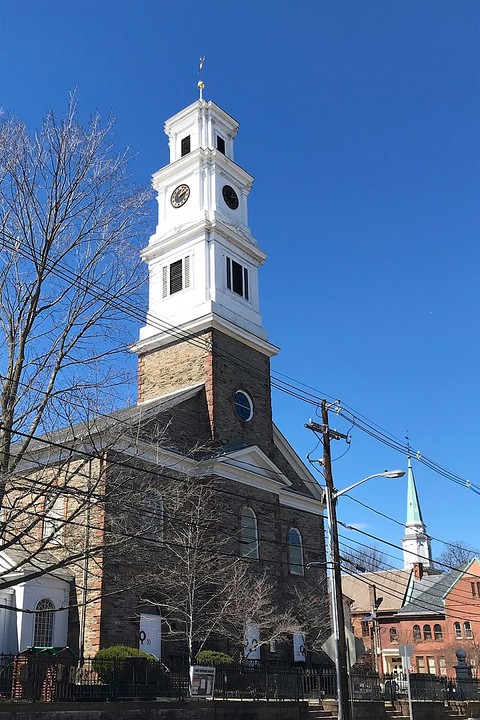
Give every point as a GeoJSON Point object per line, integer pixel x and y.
{"type": "Point", "coordinates": [203, 416]}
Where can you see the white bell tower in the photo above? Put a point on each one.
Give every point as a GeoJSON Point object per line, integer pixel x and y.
{"type": "Point", "coordinates": [202, 259]}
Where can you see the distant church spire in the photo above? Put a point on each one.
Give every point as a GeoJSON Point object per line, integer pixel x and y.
{"type": "Point", "coordinates": [416, 543]}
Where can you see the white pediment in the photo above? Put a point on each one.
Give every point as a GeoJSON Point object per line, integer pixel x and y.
{"type": "Point", "coordinates": [251, 461]}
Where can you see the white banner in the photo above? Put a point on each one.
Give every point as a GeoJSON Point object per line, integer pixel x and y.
{"type": "Point", "coordinates": [299, 654]}
{"type": "Point", "coordinates": [150, 635]}
{"type": "Point", "coordinates": [251, 649]}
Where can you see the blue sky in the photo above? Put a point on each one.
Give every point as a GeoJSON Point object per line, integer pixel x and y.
{"type": "Point", "coordinates": [360, 123]}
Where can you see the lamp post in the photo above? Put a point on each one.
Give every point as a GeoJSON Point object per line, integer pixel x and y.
{"type": "Point", "coordinates": [338, 619]}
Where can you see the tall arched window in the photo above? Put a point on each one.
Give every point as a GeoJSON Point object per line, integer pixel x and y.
{"type": "Point", "coordinates": [248, 534]}
{"type": "Point", "coordinates": [295, 552]}
{"type": "Point", "coordinates": [427, 632]}
{"type": "Point", "coordinates": [468, 630]}
{"type": "Point", "coordinates": [43, 628]}
{"type": "Point", "coordinates": [417, 634]}
{"type": "Point", "coordinates": [458, 630]}
{"type": "Point", "coordinates": [437, 632]}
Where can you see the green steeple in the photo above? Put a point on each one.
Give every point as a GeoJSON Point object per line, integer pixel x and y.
{"type": "Point", "coordinates": [414, 514]}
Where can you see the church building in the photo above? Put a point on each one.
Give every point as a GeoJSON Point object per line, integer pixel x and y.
{"type": "Point", "coordinates": [203, 413]}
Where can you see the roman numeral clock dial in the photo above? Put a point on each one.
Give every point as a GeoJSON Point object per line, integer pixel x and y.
{"type": "Point", "coordinates": [180, 196]}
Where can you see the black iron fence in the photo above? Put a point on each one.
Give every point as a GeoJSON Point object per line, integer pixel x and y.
{"type": "Point", "coordinates": [50, 678]}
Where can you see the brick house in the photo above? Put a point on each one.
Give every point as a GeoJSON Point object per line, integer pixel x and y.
{"type": "Point", "coordinates": [203, 413]}
{"type": "Point", "coordinates": [418, 605]}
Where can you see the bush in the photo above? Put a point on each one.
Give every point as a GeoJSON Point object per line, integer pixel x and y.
{"type": "Point", "coordinates": [121, 663]}
{"type": "Point", "coordinates": [212, 657]}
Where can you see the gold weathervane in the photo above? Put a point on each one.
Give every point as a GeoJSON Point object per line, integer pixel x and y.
{"type": "Point", "coordinates": [200, 83]}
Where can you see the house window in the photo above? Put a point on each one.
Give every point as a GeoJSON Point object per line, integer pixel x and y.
{"type": "Point", "coordinates": [427, 632]}
{"type": "Point", "coordinates": [152, 520]}
{"type": "Point", "coordinates": [248, 534]}
{"type": "Point", "coordinates": [53, 520]}
{"type": "Point", "coordinates": [221, 144]}
{"type": "Point", "coordinates": [474, 589]}
{"type": "Point", "coordinates": [295, 552]}
{"type": "Point", "coordinates": [437, 631]}
{"type": "Point", "coordinates": [365, 628]}
{"type": "Point", "coordinates": [458, 630]}
{"type": "Point", "coordinates": [43, 627]}
{"type": "Point", "coordinates": [420, 664]}
{"type": "Point", "coordinates": [468, 630]}
{"type": "Point", "coordinates": [431, 666]}
{"type": "Point", "coordinates": [185, 146]}
{"type": "Point", "coordinates": [393, 635]}
{"type": "Point", "coordinates": [237, 278]}
{"type": "Point", "coordinates": [442, 666]}
{"type": "Point", "coordinates": [176, 276]}
{"type": "Point", "coordinates": [417, 635]}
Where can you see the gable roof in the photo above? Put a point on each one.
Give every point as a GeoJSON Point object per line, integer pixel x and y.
{"type": "Point", "coordinates": [17, 561]}
{"type": "Point", "coordinates": [391, 585]}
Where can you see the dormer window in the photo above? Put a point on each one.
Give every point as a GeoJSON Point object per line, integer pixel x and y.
{"type": "Point", "coordinates": [221, 144]}
{"type": "Point", "coordinates": [185, 146]}
{"type": "Point", "coordinates": [237, 278]}
{"type": "Point", "coordinates": [176, 276]}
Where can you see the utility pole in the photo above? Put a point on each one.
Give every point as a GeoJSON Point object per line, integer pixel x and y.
{"type": "Point", "coordinates": [338, 618]}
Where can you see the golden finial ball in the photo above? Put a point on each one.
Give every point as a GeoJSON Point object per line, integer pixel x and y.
{"type": "Point", "coordinates": [201, 84]}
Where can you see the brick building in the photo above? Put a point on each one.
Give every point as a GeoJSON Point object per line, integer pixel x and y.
{"type": "Point", "coordinates": [203, 414]}
{"type": "Point", "coordinates": [435, 612]}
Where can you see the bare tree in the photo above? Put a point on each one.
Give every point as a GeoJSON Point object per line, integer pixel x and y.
{"type": "Point", "coordinates": [204, 590]}
{"type": "Point", "coordinates": [68, 222]}
{"type": "Point", "coordinates": [456, 553]}
{"type": "Point", "coordinates": [364, 559]}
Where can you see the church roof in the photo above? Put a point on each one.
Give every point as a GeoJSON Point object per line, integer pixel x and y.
{"type": "Point", "coordinates": [414, 514]}
{"type": "Point", "coordinates": [19, 561]}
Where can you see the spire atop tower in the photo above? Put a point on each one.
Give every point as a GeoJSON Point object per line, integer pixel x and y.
{"type": "Point", "coordinates": [200, 83]}
{"type": "Point", "coordinates": [416, 543]}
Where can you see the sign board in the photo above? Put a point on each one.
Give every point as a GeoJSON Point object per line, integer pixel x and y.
{"type": "Point", "coordinates": [150, 635]}
{"type": "Point", "coordinates": [251, 650]}
{"type": "Point", "coordinates": [405, 651]}
{"type": "Point", "coordinates": [202, 682]}
{"type": "Point", "coordinates": [298, 647]}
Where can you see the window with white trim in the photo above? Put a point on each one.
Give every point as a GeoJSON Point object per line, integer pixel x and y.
{"type": "Point", "coordinates": [43, 627]}
{"type": "Point", "coordinates": [248, 534]}
{"type": "Point", "coordinates": [295, 552]}
{"type": "Point", "coordinates": [458, 630]}
{"type": "Point", "coordinates": [54, 512]}
{"type": "Point", "coordinates": [176, 276]}
{"type": "Point", "coordinates": [237, 278]}
{"type": "Point", "coordinates": [468, 630]}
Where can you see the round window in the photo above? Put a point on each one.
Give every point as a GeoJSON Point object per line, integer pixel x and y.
{"type": "Point", "coordinates": [243, 405]}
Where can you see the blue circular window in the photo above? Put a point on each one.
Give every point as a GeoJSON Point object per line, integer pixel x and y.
{"type": "Point", "coordinates": [243, 405]}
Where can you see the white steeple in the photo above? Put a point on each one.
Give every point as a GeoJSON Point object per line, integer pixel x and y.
{"type": "Point", "coordinates": [416, 543]}
{"type": "Point", "coordinates": [202, 259]}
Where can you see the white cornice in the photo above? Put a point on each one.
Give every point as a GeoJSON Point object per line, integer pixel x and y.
{"type": "Point", "coordinates": [198, 325]}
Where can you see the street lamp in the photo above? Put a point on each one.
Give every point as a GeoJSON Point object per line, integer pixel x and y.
{"type": "Point", "coordinates": [338, 619]}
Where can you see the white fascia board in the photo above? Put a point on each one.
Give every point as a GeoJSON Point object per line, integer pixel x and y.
{"type": "Point", "coordinates": [209, 321]}
{"type": "Point", "coordinates": [301, 502]}
{"type": "Point", "coordinates": [253, 456]}
{"type": "Point", "coordinates": [237, 236]}
{"type": "Point", "coordinates": [293, 459]}
{"type": "Point", "coordinates": [185, 113]}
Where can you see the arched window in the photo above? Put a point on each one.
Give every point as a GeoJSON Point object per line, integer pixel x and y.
{"type": "Point", "coordinates": [295, 552]}
{"type": "Point", "coordinates": [458, 630]}
{"type": "Point", "coordinates": [393, 635]}
{"type": "Point", "coordinates": [248, 534]}
{"type": "Point", "coordinates": [437, 631]}
{"type": "Point", "coordinates": [43, 628]}
{"type": "Point", "coordinates": [468, 630]}
{"type": "Point", "coordinates": [417, 635]}
{"type": "Point", "coordinates": [427, 632]}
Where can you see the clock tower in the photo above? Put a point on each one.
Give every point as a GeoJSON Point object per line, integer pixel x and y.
{"type": "Point", "coordinates": [203, 324]}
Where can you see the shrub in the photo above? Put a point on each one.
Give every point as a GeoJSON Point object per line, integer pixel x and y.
{"type": "Point", "coordinates": [121, 663]}
{"type": "Point", "coordinates": [212, 657]}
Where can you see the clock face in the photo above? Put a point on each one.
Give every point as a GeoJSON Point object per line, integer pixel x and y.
{"type": "Point", "coordinates": [230, 197]}
{"type": "Point", "coordinates": [180, 196]}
